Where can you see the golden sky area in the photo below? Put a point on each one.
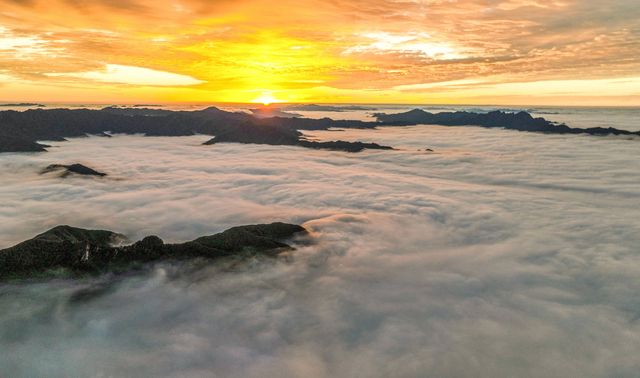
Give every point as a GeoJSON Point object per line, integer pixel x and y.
{"type": "Point", "coordinates": [556, 52]}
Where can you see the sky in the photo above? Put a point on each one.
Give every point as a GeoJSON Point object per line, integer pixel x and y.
{"type": "Point", "coordinates": [556, 52]}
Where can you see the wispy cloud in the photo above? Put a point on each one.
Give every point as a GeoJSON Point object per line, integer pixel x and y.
{"type": "Point", "coordinates": [420, 44]}
{"type": "Point", "coordinates": [119, 74]}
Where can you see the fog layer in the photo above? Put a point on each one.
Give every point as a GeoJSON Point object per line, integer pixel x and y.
{"type": "Point", "coordinates": [498, 254]}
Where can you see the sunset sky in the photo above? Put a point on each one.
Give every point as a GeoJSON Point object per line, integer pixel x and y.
{"type": "Point", "coordinates": [563, 52]}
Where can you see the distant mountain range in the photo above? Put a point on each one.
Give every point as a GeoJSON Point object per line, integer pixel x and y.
{"type": "Point", "coordinates": [21, 131]}
{"type": "Point", "coordinates": [521, 121]}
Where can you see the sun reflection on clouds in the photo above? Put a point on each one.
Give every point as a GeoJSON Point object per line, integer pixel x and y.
{"type": "Point", "coordinates": [413, 43]}
{"type": "Point", "coordinates": [27, 46]}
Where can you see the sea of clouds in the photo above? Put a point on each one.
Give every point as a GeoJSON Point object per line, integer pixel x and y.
{"type": "Point", "coordinates": [498, 254]}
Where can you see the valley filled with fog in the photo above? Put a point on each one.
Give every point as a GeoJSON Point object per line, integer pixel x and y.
{"type": "Point", "coordinates": [498, 253]}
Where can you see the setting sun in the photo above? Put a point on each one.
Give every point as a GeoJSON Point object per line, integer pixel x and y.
{"type": "Point", "coordinates": [266, 99]}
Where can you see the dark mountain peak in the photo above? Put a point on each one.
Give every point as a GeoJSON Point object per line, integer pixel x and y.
{"type": "Point", "coordinates": [418, 111]}
{"type": "Point", "coordinates": [414, 116]}
{"type": "Point", "coordinates": [72, 168]}
{"type": "Point", "coordinates": [211, 109]}
{"type": "Point", "coordinates": [152, 241]}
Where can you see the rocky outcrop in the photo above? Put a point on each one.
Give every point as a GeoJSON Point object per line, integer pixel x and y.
{"type": "Point", "coordinates": [80, 251]}
{"type": "Point", "coordinates": [71, 169]}
{"type": "Point", "coordinates": [340, 145]}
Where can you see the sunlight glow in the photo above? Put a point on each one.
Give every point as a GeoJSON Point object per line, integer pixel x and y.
{"type": "Point", "coordinates": [266, 99]}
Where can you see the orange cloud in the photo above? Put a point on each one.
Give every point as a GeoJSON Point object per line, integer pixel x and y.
{"type": "Point", "coordinates": [317, 50]}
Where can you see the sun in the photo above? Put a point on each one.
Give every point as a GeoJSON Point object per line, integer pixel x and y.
{"type": "Point", "coordinates": [266, 99]}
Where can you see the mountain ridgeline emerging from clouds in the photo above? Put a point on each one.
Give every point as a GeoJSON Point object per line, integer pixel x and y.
{"type": "Point", "coordinates": [92, 251]}
{"type": "Point", "coordinates": [521, 121]}
{"type": "Point", "coordinates": [21, 131]}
